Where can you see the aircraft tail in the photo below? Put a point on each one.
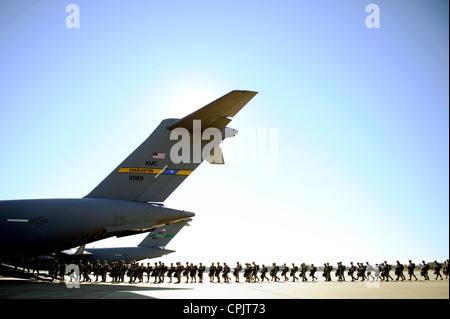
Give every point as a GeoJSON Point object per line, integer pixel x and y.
{"type": "Point", "coordinates": [149, 174]}
{"type": "Point", "coordinates": [161, 236]}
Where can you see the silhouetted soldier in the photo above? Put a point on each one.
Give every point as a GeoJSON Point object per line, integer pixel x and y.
{"type": "Point", "coordinates": [398, 270]}
{"type": "Point", "coordinates": [193, 270]}
{"type": "Point", "coordinates": [274, 272]}
{"type": "Point", "coordinates": [284, 272]}
{"type": "Point", "coordinates": [212, 271]}
{"type": "Point", "coordinates": [236, 271]}
{"type": "Point", "coordinates": [411, 266]}
{"type": "Point", "coordinates": [303, 272]}
{"type": "Point", "coordinates": [312, 271]}
{"type": "Point", "coordinates": [351, 271]}
{"type": "Point", "coordinates": [437, 270]}
{"type": "Point", "coordinates": [187, 271]}
{"type": "Point", "coordinates": [294, 270]}
{"type": "Point", "coordinates": [104, 270]}
{"type": "Point", "coordinates": [445, 269]}
{"type": "Point", "coordinates": [226, 270]}
{"type": "Point", "coordinates": [201, 269]}
{"type": "Point", "coordinates": [122, 270]}
{"type": "Point", "coordinates": [424, 270]}
{"type": "Point", "coordinates": [86, 271]}
{"type": "Point", "coordinates": [386, 269]}
{"type": "Point", "coordinates": [255, 270]}
{"type": "Point", "coordinates": [170, 272]}
{"type": "Point", "coordinates": [263, 273]}
{"type": "Point", "coordinates": [218, 271]}
{"type": "Point", "coordinates": [341, 271]}
{"type": "Point", "coordinates": [248, 272]}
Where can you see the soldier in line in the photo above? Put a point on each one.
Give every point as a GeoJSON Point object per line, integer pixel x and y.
{"type": "Point", "coordinates": [193, 272]}
{"type": "Point", "coordinates": [122, 270]}
{"type": "Point", "coordinates": [385, 271]}
{"type": "Point", "coordinates": [398, 271]}
{"type": "Point", "coordinates": [86, 271]}
{"type": "Point", "coordinates": [340, 270]}
{"type": "Point", "coordinates": [304, 268]}
{"type": "Point", "coordinates": [274, 272]}
{"type": "Point", "coordinates": [294, 270]}
{"type": "Point", "coordinates": [53, 270]}
{"type": "Point", "coordinates": [327, 269]}
{"type": "Point", "coordinates": [104, 270]}
{"type": "Point", "coordinates": [226, 270]}
{"type": "Point", "coordinates": [312, 271]}
{"type": "Point", "coordinates": [437, 270]}
{"type": "Point", "coordinates": [236, 271]}
{"type": "Point", "coordinates": [424, 270]}
{"type": "Point", "coordinates": [212, 270]}
{"type": "Point", "coordinates": [411, 266]}
{"type": "Point", "coordinates": [351, 271]}
{"type": "Point", "coordinates": [263, 273]}
{"type": "Point", "coordinates": [187, 272]}
{"type": "Point", "coordinates": [445, 269]}
{"type": "Point", "coordinates": [201, 269]}
{"type": "Point", "coordinates": [218, 271]}
{"type": "Point", "coordinates": [284, 272]}
{"type": "Point", "coordinates": [164, 269]}
{"type": "Point", "coordinates": [361, 272]}
{"type": "Point", "coordinates": [248, 272]}
{"type": "Point", "coordinates": [330, 270]}
{"type": "Point", "coordinates": [170, 272]}
{"type": "Point", "coordinates": [255, 270]}
{"type": "Point", "coordinates": [178, 271]}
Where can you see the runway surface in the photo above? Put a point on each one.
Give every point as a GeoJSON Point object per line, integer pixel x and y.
{"type": "Point", "coordinates": [11, 288]}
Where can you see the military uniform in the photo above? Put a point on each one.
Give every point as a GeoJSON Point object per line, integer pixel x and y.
{"type": "Point", "coordinates": [193, 272]}
{"type": "Point", "coordinates": [294, 270]}
{"type": "Point", "coordinates": [437, 270]}
{"type": "Point", "coordinates": [424, 270]}
{"type": "Point", "coordinates": [411, 266]}
{"type": "Point", "coordinates": [104, 270]}
{"type": "Point", "coordinates": [263, 272]}
{"type": "Point", "coordinates": [284, 272]}
{"type": "Point", "coordinates": [274, 272]}
{"type": "Point", "coordinates": [351, 271]}
{"type": "Point", "coordinates": [236, 271]}
{"type": "Point", "coordinates": [226, 270]}
{"type": "Point", "coordinates": [255, 270]}
{"type": "Point", "coordinates": [312, 271]}
{"type": "Point", "coordinates": [218, 271]}
{"type": "Point", "coordinates": [212, 271]}
{"type": "Point", "coordinates": [201, 269]}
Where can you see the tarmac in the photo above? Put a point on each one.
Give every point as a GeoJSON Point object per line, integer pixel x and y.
{"type": "Point", "coordinates": [13, 288]}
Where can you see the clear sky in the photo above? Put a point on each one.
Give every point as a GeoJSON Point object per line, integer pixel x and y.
{"type": "Point", "coordinates": [358, 169]}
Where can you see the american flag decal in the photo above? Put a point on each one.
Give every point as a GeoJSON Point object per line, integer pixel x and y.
{"type": "Point", "coordinates": [159, 155]}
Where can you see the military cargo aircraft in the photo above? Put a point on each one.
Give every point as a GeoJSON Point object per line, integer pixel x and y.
{"type": "Point", "coordinates": [129, 200]}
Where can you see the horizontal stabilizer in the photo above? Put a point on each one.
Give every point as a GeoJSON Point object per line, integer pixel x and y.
{"type": "Point", "coordinates": [161, 236]}
{"type": "Point", "coordinates": [216, 114]}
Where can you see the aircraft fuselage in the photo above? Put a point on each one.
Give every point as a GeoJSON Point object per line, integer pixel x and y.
{"type": "Point", "coordinates": [43, 226]}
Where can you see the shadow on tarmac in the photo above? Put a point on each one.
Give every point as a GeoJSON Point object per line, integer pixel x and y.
{"type": "Point", "coordinates": [11, 288]}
